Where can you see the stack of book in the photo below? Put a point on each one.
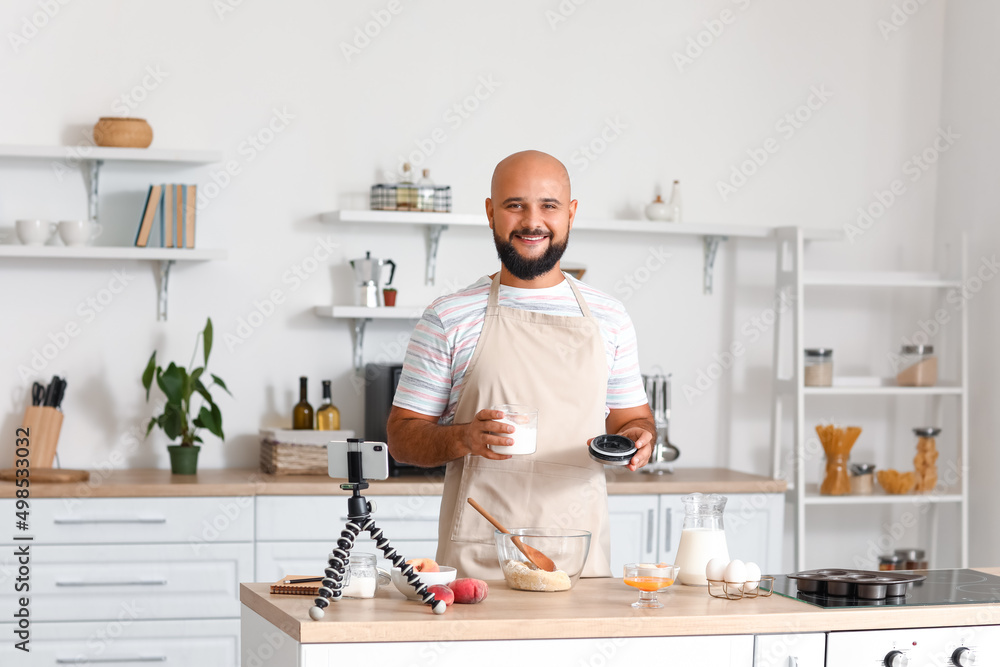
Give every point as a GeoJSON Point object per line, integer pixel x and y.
{"type": "Point", "coordinates": [174, 205]}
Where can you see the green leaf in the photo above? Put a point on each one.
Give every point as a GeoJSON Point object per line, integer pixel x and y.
{"type": "Point", "coordinates": [203, 390]}
{"type": "Point", "coordinates": [196, 438]}
{"type": "Point", "coordinates": [207, 335]}
{"type": "Point", "coordinates": [171, 382]}
{"type": "Point", "coordinates": [147, 375]}
{"type": "Point", "coordinates": [152, 423]}
{"type": "Point", "coordinates": [172, 421]}
{"type": "Point", "coordinates": [212, 420]}
{"type": "Point", "coordinates": [222, 384]}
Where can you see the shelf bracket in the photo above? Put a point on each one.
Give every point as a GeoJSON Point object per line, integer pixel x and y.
{"type": "Point", "coordinates": [359, 344]}
{"type": "Point", "coordinates": [434, 240]}
{"type": "Point", "coordinates": [94, 168]}
{"type": "Point", "coordinates": [162, 291]}
{"type": "Point", "coordinates": [711, 245]}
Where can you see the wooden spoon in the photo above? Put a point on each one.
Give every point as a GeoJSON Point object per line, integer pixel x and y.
{"type": "Point", "coordinates": [534, 556]}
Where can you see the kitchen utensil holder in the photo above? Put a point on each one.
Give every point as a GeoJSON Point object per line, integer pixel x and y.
{"type": "Point", "coordinates": [43, 425]}
{"type": "Point", "coordinates": [729, 591]}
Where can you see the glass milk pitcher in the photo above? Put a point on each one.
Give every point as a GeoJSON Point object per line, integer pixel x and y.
{"type": "Point", "coordinates": [702, 538]}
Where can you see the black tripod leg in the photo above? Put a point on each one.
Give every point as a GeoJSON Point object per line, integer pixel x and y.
{"type": "Point", "coordinates": [330, 588]}
{"type": "Point", "coordinates": [438, 606]}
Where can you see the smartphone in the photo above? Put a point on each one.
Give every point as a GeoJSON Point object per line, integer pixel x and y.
{"type": "Point", "coordinates": [374, 459]}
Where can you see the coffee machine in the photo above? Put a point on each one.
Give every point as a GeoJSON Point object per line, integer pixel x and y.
{"type": "Point", "coordinates": [368, 279]}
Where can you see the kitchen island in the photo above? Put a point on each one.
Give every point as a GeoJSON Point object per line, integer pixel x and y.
{"type": "Point", "coordinates": [590, 621]}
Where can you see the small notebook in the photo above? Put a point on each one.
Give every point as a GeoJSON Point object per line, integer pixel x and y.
{"type": "Point", "coordinates": [282, 587]}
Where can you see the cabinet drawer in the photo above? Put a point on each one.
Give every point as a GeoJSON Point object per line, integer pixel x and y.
{"type": "Point", "coordinates": [127, 643]}
{"type": "Point", "coordinates": [140, 582]}
{"type": "Point", "coordinates": [317, 518]}
{"type": "Point", "coordinates": [280, 559]}
{"type": "Point", "coordinates": [123, 520]}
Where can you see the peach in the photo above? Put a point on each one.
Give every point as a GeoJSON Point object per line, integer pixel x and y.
{"type": "Point", "coordinates": [442, 592]}
{"type": "Point", "coordinates": [424, 564]}
{"type": "Point", "coordinates": [469, 591]}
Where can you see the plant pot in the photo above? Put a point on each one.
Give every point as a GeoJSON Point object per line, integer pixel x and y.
{"type": "Point", "coordinates": [389, 296]}
{"type": "Point", "coordinates": [183, 460]}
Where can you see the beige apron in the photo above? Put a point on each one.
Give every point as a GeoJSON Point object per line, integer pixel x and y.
{"type": "Point", "coordinates": [557, 364]}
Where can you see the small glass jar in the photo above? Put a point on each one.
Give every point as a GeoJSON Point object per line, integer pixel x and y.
{"type": "Point", "coordinates": [818, 367]}
{"type": "Point", "coordinates": [890, 562]}
{"type": "Point", "coordinates": [862, 479]}
{"type": "Point", "coordinates": [918, 366]}
{"type": "Point", "coordinates": [362, 576]}
{"type": "Point", "coordinates": [912, 559]}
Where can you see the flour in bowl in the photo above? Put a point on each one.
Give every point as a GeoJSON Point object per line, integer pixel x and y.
{"type": "Point", "coordinates": [524, 577]}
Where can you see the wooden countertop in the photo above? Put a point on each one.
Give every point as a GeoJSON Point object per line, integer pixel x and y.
{"type": "Point", "coordinates": [154, 483]}
{"type": "Point", "coordinates": [593, 608]}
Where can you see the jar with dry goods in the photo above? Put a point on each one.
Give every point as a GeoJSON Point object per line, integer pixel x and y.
{"type": "Point", "coordinates": [918, 367]}
{"type": "Point", "coordinates": [818, 368]}
{"type": "Point", "coordinates": [912, 559]}
{"type": "Point", "coordinates": [925, 462]}
{"type": "Point", "coordinates": [862, 479]}
{"type": "Point", "coordinates": [890, 562]}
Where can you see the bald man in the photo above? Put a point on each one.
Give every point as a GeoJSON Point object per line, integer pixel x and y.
{"type": "Point", "coordinates": [526, 335]}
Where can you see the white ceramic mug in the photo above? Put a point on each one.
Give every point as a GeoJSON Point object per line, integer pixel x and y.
{"type": "Point", "coordinates": [524, 419]}
{"type": "Point", "coordinates": [35, 232]}
{"type": "Point", "coordinates": [79, 232]}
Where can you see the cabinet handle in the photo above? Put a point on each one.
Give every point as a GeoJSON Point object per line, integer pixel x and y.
{"type": "Point", "coordinates": [147, 582]}
{"type": "Point", "coordinates": [666, 531]}
{"type": "Point", "coordinates": [91, 661]}
{"type": "Point", "coordinates": [650, 528]}
{"type": "Point", "coordinates": [133, 520]}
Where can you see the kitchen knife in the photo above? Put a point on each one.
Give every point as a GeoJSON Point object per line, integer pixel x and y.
{"type": "Point", "coordinates": [59, 393]}
{"type": "Point", "coordinates": [37, 394]}
{"type": "Point", "coordinates": [50, 391]}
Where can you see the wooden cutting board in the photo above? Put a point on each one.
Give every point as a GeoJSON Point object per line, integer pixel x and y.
{"type": "Point", "coordinates": [47, 475]}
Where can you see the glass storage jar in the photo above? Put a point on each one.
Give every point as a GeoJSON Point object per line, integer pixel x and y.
{"type": "Point", "coordinates": [911, 559]}
{"type": "Point", "coordinates": [918, 366]}
{"type": "Point", "coordinates": [362, 576]}
{"type": "Point", "coordinates": [890, 562]}
{"type": "Point", "coordinates": [862, 479]}
{"type": "Point", "coordinates": [818, 369]}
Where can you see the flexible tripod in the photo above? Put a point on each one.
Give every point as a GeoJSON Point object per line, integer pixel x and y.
{"type": "Point", "coordinates": [359, 519]}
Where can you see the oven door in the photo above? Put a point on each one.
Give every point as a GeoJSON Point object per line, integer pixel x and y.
{"type": "Point", "coordinates": [921, 647]}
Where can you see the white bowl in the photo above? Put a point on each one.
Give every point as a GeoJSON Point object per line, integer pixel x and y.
{"type": "Point", "coordinates": [445, 576]}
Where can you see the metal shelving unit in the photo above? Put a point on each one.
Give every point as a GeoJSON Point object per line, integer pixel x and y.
{"type": "Point", "coordinates": [791, 283]}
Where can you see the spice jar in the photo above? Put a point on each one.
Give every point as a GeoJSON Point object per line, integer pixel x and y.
{"type": "Point", "coordinates": [918, 366]}
{"type": "Point", "coordinates": [912, 559]}
{"type": "Point", "coordinates": [862, 479]}
{"type": "Point", "coordinates": [890, 562]}
{"type": "Point", "coordinates": [818, 367]}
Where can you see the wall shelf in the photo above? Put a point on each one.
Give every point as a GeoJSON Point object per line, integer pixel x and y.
{"type": "Point", "coordinates": [813, 497]}
{"type": "Point", "coordinates": [361, 316]}
{"type": "Point", "coordinates": [876, 279]}
{"type": "Point", "coordinates": [711, 234]}
{"type": "Point", "coordinates": [107, 252]}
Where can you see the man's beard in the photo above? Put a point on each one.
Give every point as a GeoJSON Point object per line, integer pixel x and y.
{"type": "Point", "coordinates": [524, 268]}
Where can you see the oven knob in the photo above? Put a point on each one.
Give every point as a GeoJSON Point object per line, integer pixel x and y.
{"type": "Point", "coordinates": [895, 659]}
{"type": "Point", "coordinates": [963, 657]}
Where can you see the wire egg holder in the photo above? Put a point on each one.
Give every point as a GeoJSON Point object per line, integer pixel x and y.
{"type": "Point", "coordinates": [729, 591]}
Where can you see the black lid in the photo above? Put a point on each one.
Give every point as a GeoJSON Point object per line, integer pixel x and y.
{"type": "Point", "coordinates": [917, 349]}
{"type": "Point", "coordinates": [612, 449]}
{"type": "Point", "coordinates": [819, 351]}
{"type": "Point", "coordinates": [927, 431]}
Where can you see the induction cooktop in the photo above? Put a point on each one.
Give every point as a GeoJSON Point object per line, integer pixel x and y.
{"type": "Point", "coordinates": [941, 587]}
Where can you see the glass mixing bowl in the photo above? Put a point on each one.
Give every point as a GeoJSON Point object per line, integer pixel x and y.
{"type": "Point", "coordinates": [567, 547]}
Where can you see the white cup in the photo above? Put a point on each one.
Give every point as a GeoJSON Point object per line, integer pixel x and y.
{"type": "Point", "coordinates": [79, 232]}
{"type": "Point", "coordinates": [524, 419]}
{"type": "Point", "coordinates": [35, 232]}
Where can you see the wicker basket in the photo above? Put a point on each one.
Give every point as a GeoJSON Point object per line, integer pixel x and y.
{"type": "Point", "coordinates": [123, 133]}
{"type": "Point", "coordinates": [288, 452]}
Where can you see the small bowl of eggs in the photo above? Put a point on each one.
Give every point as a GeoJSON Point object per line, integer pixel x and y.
{"type": "Point", "coordinates": [735, 580]}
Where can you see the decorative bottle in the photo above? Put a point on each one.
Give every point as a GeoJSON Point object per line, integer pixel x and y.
{"type": "Point", "coordinates": [327, 416]}
{"type": "Point", "coordinates": [302, 413]}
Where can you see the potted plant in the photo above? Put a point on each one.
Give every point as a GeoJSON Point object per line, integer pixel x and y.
{"type": "Point", "coordinates": [179, 385]}
{"type": "Point", "coordinates": [389, 296]}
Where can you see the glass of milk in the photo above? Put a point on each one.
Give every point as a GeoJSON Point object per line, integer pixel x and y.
{"type": "Point", "coordinates": [524, 419]}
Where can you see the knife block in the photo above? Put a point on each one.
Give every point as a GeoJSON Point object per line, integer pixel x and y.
{"type": "Point", "coordinates": [43, 425]}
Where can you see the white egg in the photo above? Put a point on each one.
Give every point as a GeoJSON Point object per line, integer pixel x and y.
{"type": "Point", "coordinates": [753, 576]}
{"type": "Point", "coordinates": [736, 572]}
{"type": "Point", "coordinates": [716, 569]}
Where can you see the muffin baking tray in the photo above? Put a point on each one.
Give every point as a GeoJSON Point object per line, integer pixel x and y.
{"type": "Point", "coordinates": [862, 584]}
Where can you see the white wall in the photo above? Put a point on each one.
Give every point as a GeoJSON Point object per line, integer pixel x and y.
{"type": "Point", "coordinates": [967, 204]}
{"type": "Point", "coordinates": [558, 86]}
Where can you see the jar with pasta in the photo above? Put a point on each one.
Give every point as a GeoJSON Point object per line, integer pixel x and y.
{"type": "Point", "coordinates": [918, 366]}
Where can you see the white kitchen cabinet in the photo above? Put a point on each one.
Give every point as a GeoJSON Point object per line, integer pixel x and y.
{"type": "Point", "coordinates": [790, 650]}
{"type": "Point", "coordinates": [634, 535]}
{"type": "Point", "coordinates": [126, 642]}
{"type": "Point", "coordinates": [281, 559]}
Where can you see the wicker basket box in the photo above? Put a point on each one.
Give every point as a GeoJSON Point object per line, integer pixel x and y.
{"type": "Point", "coordinates": [288, 452]}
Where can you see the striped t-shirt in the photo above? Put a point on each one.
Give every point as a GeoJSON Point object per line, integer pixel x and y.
{"type": "Point", "coordinates": [444, 340]}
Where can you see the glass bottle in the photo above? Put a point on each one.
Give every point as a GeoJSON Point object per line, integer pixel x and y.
{"type": "Point", "coordinates": [406, 191]}
{"type": "Point", "coordinates": [327, 416]}
{"type": "Point", "coordinates": [425, 192]}
{"type": "Point", "coordinates": [675, 204]}
{"type": "Point", "coordinates": [302, 413]}
{"type": "Point", "coordinates": [702, 538]}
